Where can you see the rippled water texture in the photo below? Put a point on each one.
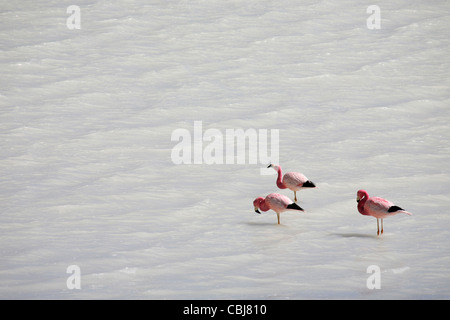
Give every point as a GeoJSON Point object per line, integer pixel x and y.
{"type": "Point", "coordinates": [88, 179]}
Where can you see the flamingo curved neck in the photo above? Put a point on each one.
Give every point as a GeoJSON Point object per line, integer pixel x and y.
{"type": "Point", "coordinates": [280, 183]}
{"type": "Point", "coordinates": [263, 205]}
{"type": "Point", "coordinates": [361, 204]}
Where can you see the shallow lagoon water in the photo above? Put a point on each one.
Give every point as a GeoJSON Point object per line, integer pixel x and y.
{"type": "Point", "coordinates": [88, 179]}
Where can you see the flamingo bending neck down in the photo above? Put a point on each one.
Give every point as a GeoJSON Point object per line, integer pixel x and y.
{"type": "Point", "coordinates": [377, 207]}
{"type": "Point", "coordinates": [294, 181]}
{"type": "Point", "coordinates": [277, 202]}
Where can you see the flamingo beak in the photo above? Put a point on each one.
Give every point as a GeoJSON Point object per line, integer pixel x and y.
{"type": "Point", "coordinates": [357, 199]}
{"type": "Point", "coordinates": [269, 165]}
{"type": "Point", "coordinates": [256, 210]}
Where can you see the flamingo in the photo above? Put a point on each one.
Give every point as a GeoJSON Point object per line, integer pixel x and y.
{"type": "Point", "coordinates": [277, 202]}
{"type": "Point", "coordinates": [377, 207]}
{"type": "Point", "coordinates": [294, 181]}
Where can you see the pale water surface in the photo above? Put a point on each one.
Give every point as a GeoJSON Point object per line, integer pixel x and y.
{"type": "Point", "coordinates": [87, 177]}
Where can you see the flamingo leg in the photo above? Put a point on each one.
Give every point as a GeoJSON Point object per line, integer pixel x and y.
{"type": "Point", "coordinates": [295, 196]}
{"type": "Point", "coordinates": [278, 217]}
{"type": "Point", "coordinates": [378, 228]}
{"type": "Point", "coordinates": [381, 226]}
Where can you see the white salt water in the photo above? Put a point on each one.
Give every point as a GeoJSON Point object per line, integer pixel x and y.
{"type": "Point", "coordinates": [87, 173]}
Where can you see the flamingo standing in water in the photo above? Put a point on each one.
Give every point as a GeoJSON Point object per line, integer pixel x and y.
{"type": "Point", "coordinates": [277, 202]}
{"type": "Point", "coordinates": [377, 207]}
{"type": "Point", "coordinates": [294, 181]}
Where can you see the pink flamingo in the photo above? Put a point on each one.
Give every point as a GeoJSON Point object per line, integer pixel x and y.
{"type": "Point", "coordinates": [277, 202]}
{"type": "Point", "coordinates": [377, 207]}
{"type": "Point", "coordinates": [294, 181]}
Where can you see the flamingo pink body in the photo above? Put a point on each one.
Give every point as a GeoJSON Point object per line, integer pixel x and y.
{"type": "Point", "coordinates": [377, 207]}
{"type": "Point", "coordinates": [276, 202]}
{"type": "Point", "coordinates": [294, 181]}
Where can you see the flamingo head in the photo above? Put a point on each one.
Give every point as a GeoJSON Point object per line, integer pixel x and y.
{"type": "Point", "coordinates": [361, 194]}
{"type": "Point", "coordinates": [275, 167]}
{"type": "Point", "coordinates": [257, 203]}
